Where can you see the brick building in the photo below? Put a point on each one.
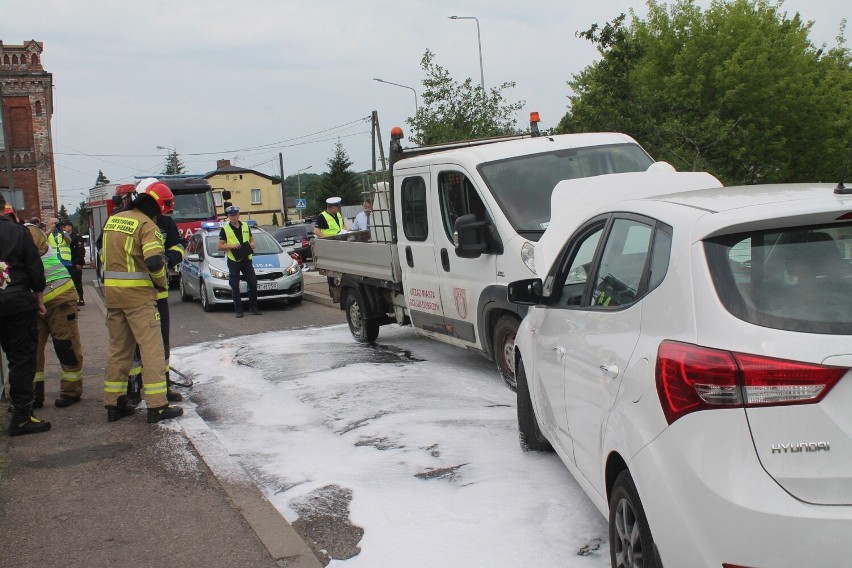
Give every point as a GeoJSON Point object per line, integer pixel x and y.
{"type": "Point", "coordinates": [27, 175]}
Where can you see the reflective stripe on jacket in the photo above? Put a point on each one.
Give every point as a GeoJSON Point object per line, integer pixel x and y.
{"type": "Point", "coordinates": [231, 238]}
{"type": "Point", "coordinates": [335, 225]}
{"type": "Point", "coordinates": [63, 249]}
{"type": "Point", "coordinates": [129, 238]}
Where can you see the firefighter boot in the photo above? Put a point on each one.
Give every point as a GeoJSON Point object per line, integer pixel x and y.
{"type": "Point", "coordinates": [23, 422]}
{"type": "Point", "coordinates": [163, 413]}
{"type": "Point", "coordinates": [121, 410]}
{"type": "Point", "coordinates": [38, 394]}
{"type": "Point", "coordinates": [171, 394]}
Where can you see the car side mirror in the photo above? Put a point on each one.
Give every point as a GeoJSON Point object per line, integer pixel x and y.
{"type": "Point", "coordinates": [193, 257]}
{"type": "Point", "coordinates": [525, 292]}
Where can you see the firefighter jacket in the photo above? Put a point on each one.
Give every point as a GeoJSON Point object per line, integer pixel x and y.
{"type": "Point", "coordinates": [56, 239]}
{"type": "Point", "coordinates": [21, 272]}
{"type": "Point", "coordinates": [231, 238]}
{"type": "Point", "coordinates": [129, 238]}
{"type": "Point", "coordinates": [60, 288]}
{"type": "Point", "coordinates": [333, 224]}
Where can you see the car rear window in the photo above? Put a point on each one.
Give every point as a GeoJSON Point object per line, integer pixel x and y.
{"type": "Point", "coordinates": [297, 231]}
{"type": "Point", "coordinates": [797, 279]}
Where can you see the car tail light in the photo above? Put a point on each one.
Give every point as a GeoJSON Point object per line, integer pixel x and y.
{"type": "Point", "coordinates": [692, 378]}
{"type": "Point", "coordinates": [305, 243]}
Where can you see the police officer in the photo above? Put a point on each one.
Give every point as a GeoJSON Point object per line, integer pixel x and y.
{"type": "Point", "coordinates": [60, 322]}
{"type": "Point", "coordinates": [78, 258]}
{"type": "Point", "coordinates": [134, 269]}
{"type": "Point", "coordinates": [60, 241]}
{"type": "Point", "coordinates": [21, 300]}
{"type": "Point", "coordinates": [329, 222]}
{"type": "Point", "coordinates": [235, 238]}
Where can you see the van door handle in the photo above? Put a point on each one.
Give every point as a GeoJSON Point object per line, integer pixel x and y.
{"type": "Point", "coordinates": [409, 257]}
{"type": "Point", "coordinates": [560, 351]}
{"type": "Point", "coordinates": [610, 371]}
{"type": "Point", "coordinates": [445, 260]}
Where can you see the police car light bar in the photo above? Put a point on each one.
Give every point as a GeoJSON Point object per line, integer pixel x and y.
{"type": "Point", "coordinates": [211, 225]}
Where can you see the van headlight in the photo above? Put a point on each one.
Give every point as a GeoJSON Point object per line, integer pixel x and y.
{"type": "Point", "coordinates": [220, 274]}
{"type": "Point", "coordinates": [528, 256]}
{"type": "Point", "coordinates": [294, 269]}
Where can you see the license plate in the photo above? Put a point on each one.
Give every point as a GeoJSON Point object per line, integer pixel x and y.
{"type": "Point", "coordinates": [288, 242]}
{"type": "Point", "coordinates": [267, 286]}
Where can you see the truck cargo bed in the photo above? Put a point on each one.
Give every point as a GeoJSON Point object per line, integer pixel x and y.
{"type": "Point", "coordinates": [370, 260]}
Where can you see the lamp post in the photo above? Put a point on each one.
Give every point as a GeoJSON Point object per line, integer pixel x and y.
{"type": "Point", "coordinates": [404, 87]}
{"type": "Point", "coordinates": [173, 153]}
{"type": "Point", "coordinates": [479, 42]}
{"type": "Point", "coordinates": [299, 181]}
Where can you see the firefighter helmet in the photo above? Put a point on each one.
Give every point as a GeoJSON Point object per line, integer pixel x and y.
{"type": "Point", "coordinates": [160, 192]}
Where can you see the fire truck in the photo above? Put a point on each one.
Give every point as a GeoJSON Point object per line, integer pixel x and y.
{"type": "Point", "coordinates": [193, 206]}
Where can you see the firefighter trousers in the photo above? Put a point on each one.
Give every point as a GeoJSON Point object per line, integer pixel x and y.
{"type": "Point", "coordinates": [60, 323]}
{"type": "Point", "coordinates": [128, 327]}
{"type": "Point", "coordinates": [18, 338]}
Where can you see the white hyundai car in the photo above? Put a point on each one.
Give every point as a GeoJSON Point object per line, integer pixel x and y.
{"type": "Point", "coordinates": [687, 354]}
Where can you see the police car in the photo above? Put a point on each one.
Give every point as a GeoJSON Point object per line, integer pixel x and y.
{"type": "Point", "coordinates": [204, 271]}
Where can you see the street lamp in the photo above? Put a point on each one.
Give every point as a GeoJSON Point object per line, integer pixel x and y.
{"type": "Point", "coordinates": [479, 42]}
{"type": "Point", "coordinates": [404, 87]}
{"type": "Point", "coordinates": [299, 180]}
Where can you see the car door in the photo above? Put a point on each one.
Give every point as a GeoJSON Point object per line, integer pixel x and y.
{"type": "Point", "coordinates": [192, 269]}
{"type": "Point", "coordinates": [602, 333]}
{"type": "Point", "coordinates": [552, 323]}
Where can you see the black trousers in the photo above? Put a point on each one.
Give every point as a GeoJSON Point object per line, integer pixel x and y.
{"type": "Point", "coordinates": [77, 277]}
{"type": "Point", "coordinates": [246, 268]}
{"type": "Point", "coordinates": [19, 338]}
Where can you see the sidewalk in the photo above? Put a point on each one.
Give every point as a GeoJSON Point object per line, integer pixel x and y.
{"type": "Point", "coordinates": [93, 493]}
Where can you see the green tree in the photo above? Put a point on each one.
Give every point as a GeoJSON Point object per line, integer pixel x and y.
{"type": "Point", "coordinates": [63, 213]}
{"type": "Point", "coordinates": [339, 181]}
{"type": "Point", "coordinates": [453, 111]}
{"type": "Point", "coordinates": [102, 179]}
{"type": "Point", "coordinates": [174, 165]}
{"type": "Point", "coordinates": [80, 218]}
{"type": "Point", "coordinates": [738, 90]}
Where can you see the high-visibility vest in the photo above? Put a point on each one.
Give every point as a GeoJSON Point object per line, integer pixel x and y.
{"type": "Point", "coordinates": [61, 248]}
{"type": "Point", "coordinates": [55, 274]}
{"type": "Point", "coordinates": [335, 225]}
{"type": "Point", "coordinates": [231, 238]}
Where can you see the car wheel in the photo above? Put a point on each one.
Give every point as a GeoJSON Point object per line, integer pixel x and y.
{"type": "Point", "coordinates": [528, 431]}
{"type": "Point", "coordinates": [503, 347]}
{"type": "Point", "coordinates": [205, 301]}
{"type": "Point", "coordinates": [630, 542]}
{"type": "Point", "coordinates": [184, 295]}
{"type": "Point", "coordinates": [364, 330]}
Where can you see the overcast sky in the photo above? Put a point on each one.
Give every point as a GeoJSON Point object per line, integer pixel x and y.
{"type": "Point", "coordinates": [246, 80]}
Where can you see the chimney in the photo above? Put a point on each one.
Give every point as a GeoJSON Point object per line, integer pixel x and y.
{"type": "Point", "coordinates": [222, 164]}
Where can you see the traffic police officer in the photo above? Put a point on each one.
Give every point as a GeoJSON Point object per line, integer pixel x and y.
{"type": "Point", "coordinates": [134, 269]}
{"type": "Point", "coordinates": [235, 238]}
{"type": "Point", "coordinates": [330, 221]}
{"type": "Point", "coordinates": [60, 322]}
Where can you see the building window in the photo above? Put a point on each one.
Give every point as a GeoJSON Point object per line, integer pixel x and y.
{"type": "Point", "coordinates": [255, 197]}
{"type": "Point", "coordinates": [14, 197]}
{"type": "Point", "coordinates": [217, 198]}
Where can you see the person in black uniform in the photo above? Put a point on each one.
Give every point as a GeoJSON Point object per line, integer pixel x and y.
{"type": "Point", "coordinates": [22, 285]}
{"type": "Point", "coordinates": [78, 258]}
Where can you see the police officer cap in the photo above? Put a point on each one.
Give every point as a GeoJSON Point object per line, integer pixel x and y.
{"type": "Point", "coordinates": [333, 201]}
{"type": "Point", "coordinates": [232, 210]}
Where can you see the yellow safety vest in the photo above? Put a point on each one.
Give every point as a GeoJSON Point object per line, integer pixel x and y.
{"type": "Point", "coordinates": [63, 249]}
{"type": "Point", "coordinates": [335, 225]}
{"type": "Point", "coordinates": [231, 238]}
{"type": "Point", "coordinates": [56, 275]}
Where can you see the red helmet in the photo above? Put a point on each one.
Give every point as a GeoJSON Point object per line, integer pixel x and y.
{"type": "Point", "coordinates": [160, 192]}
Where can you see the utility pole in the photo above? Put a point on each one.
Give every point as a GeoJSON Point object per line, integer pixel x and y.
{"type": "Point", "coordinates": [283, 196]}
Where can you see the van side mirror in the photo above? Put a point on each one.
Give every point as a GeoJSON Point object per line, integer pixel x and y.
{"type": "Point", "coordinates": [525, 292]}
{"type": "Point", "coordinates": [226, 194]}
{"type": "Point", "coordinates": [476, 237]}
{"type": "Point", "coordinates": [116, 200]}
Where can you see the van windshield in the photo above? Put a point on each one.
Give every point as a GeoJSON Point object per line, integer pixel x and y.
{"type": "Point", "coordinates": [523, 185]}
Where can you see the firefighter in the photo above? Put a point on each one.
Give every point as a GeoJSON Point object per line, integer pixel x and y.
{"type": "Point", "coordinates": [134, 269]}
{"type": "Point", "coordinates": [60, 322]}
{"type": "Point", "coordinates": [173, 245]}
{"type": "Point", "coordinates": [21, 289]}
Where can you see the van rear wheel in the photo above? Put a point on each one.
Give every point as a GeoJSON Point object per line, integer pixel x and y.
{"type": "Point", "coordinates": [363, 329]}
{"type": "Point", "coordinates": [503, 347]}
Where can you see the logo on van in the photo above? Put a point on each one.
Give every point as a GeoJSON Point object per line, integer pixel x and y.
{"type": "Point", "coordinates": [460, 298]}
